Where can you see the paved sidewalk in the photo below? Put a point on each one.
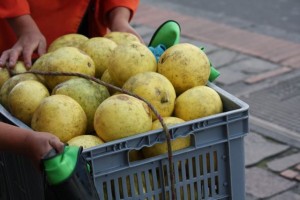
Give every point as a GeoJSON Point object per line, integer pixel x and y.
{"type": "Point", "coordinates": [254, 68]}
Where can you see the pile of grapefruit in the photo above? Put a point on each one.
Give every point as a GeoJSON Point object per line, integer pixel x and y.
{"type": "Point", "coordinates": [82, 112]}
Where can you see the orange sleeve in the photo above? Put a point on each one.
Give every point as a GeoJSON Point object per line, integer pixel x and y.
{"type": "Point", "coordinates": [101, 10]}
{"type": "Point", "coordinates": [13, 8]}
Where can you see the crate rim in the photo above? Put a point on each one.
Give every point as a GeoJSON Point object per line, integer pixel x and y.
{"type": "Point", "coordinates": [243, 107]}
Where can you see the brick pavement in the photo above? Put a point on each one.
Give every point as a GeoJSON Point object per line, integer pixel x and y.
{"type": "Point", "coordinates": [272, 166]}
{"type": "Point", "coordinates": [268, 48]}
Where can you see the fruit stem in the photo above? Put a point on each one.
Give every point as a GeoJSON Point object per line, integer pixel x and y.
{"type": "Point", "coordinates": [165, 128]}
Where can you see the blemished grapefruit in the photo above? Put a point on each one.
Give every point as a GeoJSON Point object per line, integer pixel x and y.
{"type": "Point", "coordinates": [60, 115]}
{"type": "Point", "coordinates": [185, 65]}
{"type": "Point", "coordinates": [107, 78]}
{"type": "Point", "coordinates": [197, 102]}
{"type": "Point", "coordinates": [87, 93]}
{"type": "Point", "coordinates": [41, 65]}
{"type": "Point", "coordinates": [67, 40]}
{"type": "Point", "coordinates": [122, 37]}
{"type": "Point", "coordinates": [99, 49]}
{"type": "Point", "coordinates": [120, 116]}
{"type": "Point", "coordinates": [156, 89]}
{"type": "Point", "coordinates": [129, 60]}
{"type": "Point", "coordinates": [19, 67]}
{"type": "Point", "coordinates": [10, 83]}
{"type": "Point", "coordinates": [85, 141]}
{"type": "Point", "coordinates": [4, 75]}
{"type": "Point", "coordinates": [24, 99]}
{"type": "Point", "coordinates": [68, 59]}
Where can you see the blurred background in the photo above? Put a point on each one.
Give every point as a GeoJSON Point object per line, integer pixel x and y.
{"type": "Point", "coordinates": [278, 18]}
{"type": "Point", "coordinates": [255, 45]}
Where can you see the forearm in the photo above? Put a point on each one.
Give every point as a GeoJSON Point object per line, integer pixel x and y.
{"type": "Point", "coordinates": [12, 138]}
{"type": "Point", "coordinates": [30, 39]}
{"type": "Point", "coordinates": [118, 15]}
{"type": "Point", "coordinates": [28, 142]}
{"type": "Point", "coordinates": [23, 24]}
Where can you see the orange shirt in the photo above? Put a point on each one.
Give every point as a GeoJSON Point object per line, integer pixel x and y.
{"type": "Point", "coordinates": [58, 17]}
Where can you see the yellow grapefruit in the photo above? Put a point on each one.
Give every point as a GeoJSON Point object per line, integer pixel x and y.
{"type": "Point", "coordinates": [185, 65]}
{"type": "Point", "coordinates": [120, 116]}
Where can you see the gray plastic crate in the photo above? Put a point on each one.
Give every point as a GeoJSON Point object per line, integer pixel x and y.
{"type": "Point", "coordinates": [211, 168]}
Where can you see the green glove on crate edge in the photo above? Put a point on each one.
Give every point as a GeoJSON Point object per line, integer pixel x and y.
{"type": "Point", "coordinates": [59, 167]}
{"type": "Point", "coordinates": [68, 175]}
{"type": "Point", "coordinates": [167, 34]}
{"type": "Point", "coordinates": [214, 73]}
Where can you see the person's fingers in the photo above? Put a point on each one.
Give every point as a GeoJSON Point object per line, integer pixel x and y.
{"type": "Point", "coordinates": [4, 58]}
{"type": "Point", "coordinates": [42, 47]}
{"type": "Point", "coordinates": [13, 56]}
{"type": "Point", "coordinates": [57, 144]}
{"type": "Point", "coordinates": [27, 53]}
{"type": "Point", "coordinates": [10, 57]}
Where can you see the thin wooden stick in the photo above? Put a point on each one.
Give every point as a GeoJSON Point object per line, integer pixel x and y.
{"type": "Point", "coordinates": [165, 128]}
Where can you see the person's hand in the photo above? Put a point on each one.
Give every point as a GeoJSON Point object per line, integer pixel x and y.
{"type": "Point", "coordinates": [118, 20]}
{"type": "Point", "coordinates": [38, 144]}
{"type": "Point", "coordinates": [25, 46]}
{"type": "Point", "coordinates": [29, 39]}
